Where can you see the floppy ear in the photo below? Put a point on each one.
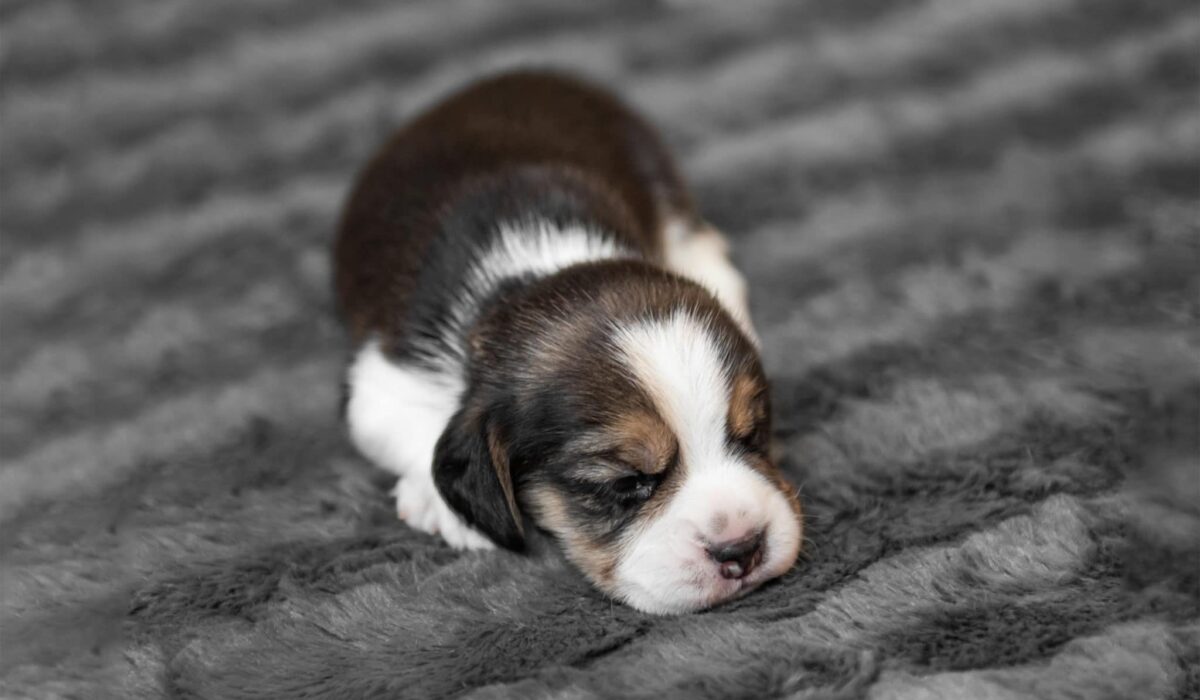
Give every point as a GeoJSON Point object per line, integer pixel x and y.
{"type": "Point", "coordinates": [470, 468]}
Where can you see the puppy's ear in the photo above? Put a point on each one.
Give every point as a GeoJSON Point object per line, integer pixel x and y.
{"type": "Point", "coordinates": [471, 470]}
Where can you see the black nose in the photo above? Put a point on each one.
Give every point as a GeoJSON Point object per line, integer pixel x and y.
{"type": "Point", "coordinates": [739, 557]}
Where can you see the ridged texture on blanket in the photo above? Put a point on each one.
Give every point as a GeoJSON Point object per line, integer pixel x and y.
{"type": "Point", "coordinates": [971, 231]}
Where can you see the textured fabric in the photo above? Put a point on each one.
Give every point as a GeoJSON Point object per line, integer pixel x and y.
{"type": "Point", "coordinates": [971, 233]}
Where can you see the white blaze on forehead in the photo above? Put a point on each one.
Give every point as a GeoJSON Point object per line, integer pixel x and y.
{"type": "Point", "coordinates": [663, 565]}
{"type": "Point", "coordinates": [679, 363]}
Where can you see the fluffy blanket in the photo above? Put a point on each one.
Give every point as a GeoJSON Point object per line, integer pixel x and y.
{"type": "Point", "coordinates": [971, 231]}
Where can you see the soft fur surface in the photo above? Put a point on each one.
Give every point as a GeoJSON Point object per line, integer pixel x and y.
{"type": "Point", "coordinates": [971, 234]}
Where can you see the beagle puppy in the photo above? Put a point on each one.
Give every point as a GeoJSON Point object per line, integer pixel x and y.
{"type": "Point", "coordinates": [547, 335]}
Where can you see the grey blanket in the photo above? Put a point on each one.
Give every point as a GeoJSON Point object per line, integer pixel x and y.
{"type": "Point", "coordinates": [971, 231]}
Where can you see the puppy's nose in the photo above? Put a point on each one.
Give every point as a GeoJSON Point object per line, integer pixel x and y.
{"type": "Point", "coordinates": [738, 557]}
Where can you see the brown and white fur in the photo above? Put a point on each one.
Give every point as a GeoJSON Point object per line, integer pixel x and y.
{"type": "Point", "coordinates": [546, 331]}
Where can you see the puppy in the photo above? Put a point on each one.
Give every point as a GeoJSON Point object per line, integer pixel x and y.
{"type": "Point", "coordinates": [546, 331]}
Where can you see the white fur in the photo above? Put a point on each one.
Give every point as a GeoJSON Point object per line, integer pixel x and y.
{"type": "Point", "coordinates": [664, 567]}
{"type": "Point", "coordinates": [702, 255]}
{"type": "Point", "coordinates": [535, 249]}
{"type": "Point", "coordinates": [396, 412]}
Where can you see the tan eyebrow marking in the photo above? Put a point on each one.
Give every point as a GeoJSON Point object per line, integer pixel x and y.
{"type": "Point", "coordinates": [642, 440]}
{"type": "Point", "coordinates": [747, 405]}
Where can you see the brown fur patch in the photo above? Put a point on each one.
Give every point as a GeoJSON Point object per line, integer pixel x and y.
{"type": "Point", "coordinates": [549, 508]}
{"type": "Point", "coordinates": [499, 455]}
{"type": "Point", "coordinates": [644, 442]}
{"type": "Point", "coordinates": [747, 406]}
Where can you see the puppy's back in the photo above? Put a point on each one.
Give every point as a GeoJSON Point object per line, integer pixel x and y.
{"type": "Point", "coordinates": [524, 146]}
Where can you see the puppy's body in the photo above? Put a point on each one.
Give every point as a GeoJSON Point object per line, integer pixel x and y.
{"type": "Point", "coordinates": [512, 269]}
{"type": "Point", "coordinates": [523, 149]}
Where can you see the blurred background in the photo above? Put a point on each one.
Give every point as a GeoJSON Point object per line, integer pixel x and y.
{"type": "Point", "coordinates": [968, 225]}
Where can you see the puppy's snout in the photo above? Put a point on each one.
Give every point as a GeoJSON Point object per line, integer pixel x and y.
{"type": "Point", "coordinates": [737, 558]}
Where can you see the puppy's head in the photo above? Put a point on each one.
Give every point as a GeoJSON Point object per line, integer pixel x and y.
{"type": "Point", "coordinates": [626, 413]}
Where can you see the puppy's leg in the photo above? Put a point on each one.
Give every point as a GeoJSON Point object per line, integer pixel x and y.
{"type": "Point", "coordinates": [701, 253]}
{"type": "Point", "coordinates": [396, 414]}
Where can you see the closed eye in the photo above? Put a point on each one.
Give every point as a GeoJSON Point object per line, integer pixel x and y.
{"type": "Point", "coordinates": [634, 487]}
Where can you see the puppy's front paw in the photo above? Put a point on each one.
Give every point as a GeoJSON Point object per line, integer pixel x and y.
{"type": "Point", "coordinates": [419, 504]}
